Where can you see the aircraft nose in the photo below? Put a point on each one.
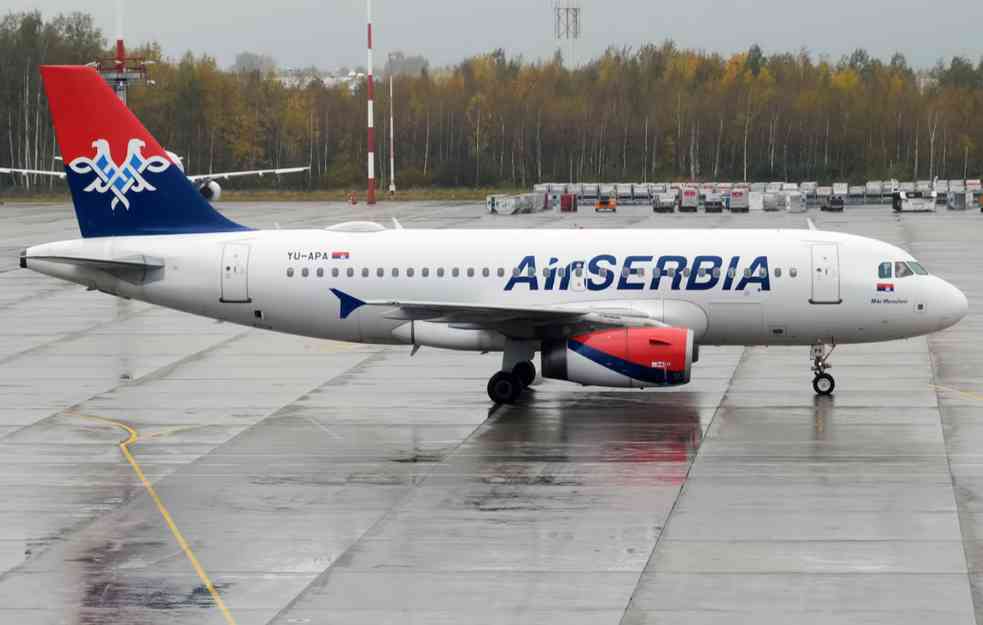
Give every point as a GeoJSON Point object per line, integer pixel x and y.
{"type": "Point", "coordinates": [953, 306]}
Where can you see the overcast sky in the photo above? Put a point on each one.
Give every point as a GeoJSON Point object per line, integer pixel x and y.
{"type": "Point", "coordinates": [331, 34]}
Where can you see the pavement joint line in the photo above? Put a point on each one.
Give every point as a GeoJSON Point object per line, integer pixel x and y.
{"type": "Point", "coordinates": [682, 487]}
{"type": "Point", "coordinates": [134, 437]}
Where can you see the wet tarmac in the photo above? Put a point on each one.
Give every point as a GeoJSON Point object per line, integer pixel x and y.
{"type": "Point", "coordinates": [294, 481]}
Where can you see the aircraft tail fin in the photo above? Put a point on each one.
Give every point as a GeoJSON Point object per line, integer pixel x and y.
{"type": "Point", "coordinates": [122, 181]}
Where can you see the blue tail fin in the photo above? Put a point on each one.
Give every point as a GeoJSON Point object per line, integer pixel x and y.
{"type": "Point", "coordinates": [122, 181]}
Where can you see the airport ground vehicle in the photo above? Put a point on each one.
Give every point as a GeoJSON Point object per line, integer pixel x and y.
{"type": "Point", "coordinates": [606, 203]}
{"type": "Point", "coordinates": [614, 308]}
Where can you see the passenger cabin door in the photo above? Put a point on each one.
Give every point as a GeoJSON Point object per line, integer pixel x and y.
{"type": "Point", "coordinates": [825, 274]}
{"type": "Point", "coordinates": [235, 279]}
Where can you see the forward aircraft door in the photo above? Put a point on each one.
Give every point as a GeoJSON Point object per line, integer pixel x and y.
{"type": "Point", "coordinates": [825, 275]}
{"type": "Point", "coordinates": [235, 279]}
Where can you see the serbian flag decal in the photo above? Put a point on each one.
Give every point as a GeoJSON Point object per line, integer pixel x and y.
{"type": "Point", "coordinates": [885, 287]}
{"type": "Point", "coordinates": [339, 255]}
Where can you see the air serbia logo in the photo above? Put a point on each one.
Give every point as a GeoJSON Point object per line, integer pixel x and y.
{"type": "Point", "coordinates": [637, 273]}
{"type": "Point", "coordinates": [119, 179]}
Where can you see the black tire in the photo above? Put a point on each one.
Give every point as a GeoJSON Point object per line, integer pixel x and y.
{"type": "Point", "coordinates": [526, 372]}
{"type": "Point", "coordinates": [504, 388]}
{"type": "Point", "coordinates": [823, 384]}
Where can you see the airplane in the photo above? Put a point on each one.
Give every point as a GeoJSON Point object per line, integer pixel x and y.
{"type": "Point", "coordinates": [609, 308]}
{"type": "Point", "coordinates": [208, 187]}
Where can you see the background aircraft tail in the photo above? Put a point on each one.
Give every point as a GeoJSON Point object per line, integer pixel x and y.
{"type": "Point", "coordinates": [122, 181]}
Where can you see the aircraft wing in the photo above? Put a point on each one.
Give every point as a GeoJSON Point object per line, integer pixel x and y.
{"type": "Point", "coordinates": [33, 172]}
{"type": "Point", "coordinates": [512, 320]}
{"type": "Point", "coordinates": [225, 175]}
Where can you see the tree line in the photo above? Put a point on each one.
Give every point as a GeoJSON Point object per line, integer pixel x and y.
{"type": "Point", "coordinates": [652, 114]}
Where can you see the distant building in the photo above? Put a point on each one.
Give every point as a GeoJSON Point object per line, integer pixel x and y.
{"type": "Point", "coordinates": [303, 78]}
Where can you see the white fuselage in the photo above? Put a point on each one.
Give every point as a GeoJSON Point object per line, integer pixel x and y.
{"type": "Point", "coordinates": [820, 286]}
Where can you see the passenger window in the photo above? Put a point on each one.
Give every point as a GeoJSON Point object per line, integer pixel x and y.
{"type": "Point", "coordinates": [515, 272]}
{"type": "Point", "coordinates": [532, 272]}
{"type": "Point", "coordinates": [716, 272]}
{"type": "Point", "coordinates": [778, 272]}
{"type": "Point", "coordinates": [546, 272]}
{"type": "Point", "coordinates": [686, 272]}
{"type": "Point", "coordinates": [470, 272]}
{"type": "Point", "coordinates": [731, 272]}
{"type": "Point", "coordinates": [902, 270]}
{"type": "Point", "coordinates": [334, 272]}
{"type": "Point", "coordinates": [884, 270]}
{"type": "Point", "coordinates": [395, 272]}
{"type": "Point", "coordinates": [455, 272]}
{"type": "Point", "coordinates": [562, 271]}
{"type": "Point", "coordinates": [917, 268]}
{"type": "Point", "coordinates": [351, 272]}
{"type": "Point", "coordinates": [762, 273]}
{"type": "Point", "coordinates": [305, 272]}
{"type": "Point", "coordinates": [320, 272]}
{"type": "Point", "coordinates": [290, 272]}
{"type": "Point", "coordinates": [702, 272]}
{"type": "Point", "coordinates": [580, 272]}
{"type": "Point", "coordinates": [485, 272]}
{"type": "Point", "coordinates": [671, 273]}
{"type": "Point", "coordinates": [365, 272]}
{"type": "Point", "coordinates": [380, 272]}
{"type": "Point", "coordinates": [409, 272]}
{"type": "Point", "coordinates": [440, 272]}
{"type": "Point", "coordinates": [501, 272]}
{"type": "Point", "coordinates": [747, 272]}
{"type": "Point", "coordinates": [425, 272]}
{"type": "Point", "coordinates": [793, 272]}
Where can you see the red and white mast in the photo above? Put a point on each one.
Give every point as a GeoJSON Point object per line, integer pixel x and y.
{"type": "Point", "coordinates": [392, 137]}
{"type": "Point", "coordinates": [120, 71]}
{"type": "Point", "coordinates": [371, 94]}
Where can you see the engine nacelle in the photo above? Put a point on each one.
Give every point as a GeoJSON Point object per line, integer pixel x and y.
{"type": "Point", "coordinates": [622, 358]}
{"type": "Point", "coordinates": [210, 190]}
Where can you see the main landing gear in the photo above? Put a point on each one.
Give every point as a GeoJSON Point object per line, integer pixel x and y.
{"type": "Point", "coordinates": [517, 372]}
{"type": "Point", "coordinates": [823, 383]}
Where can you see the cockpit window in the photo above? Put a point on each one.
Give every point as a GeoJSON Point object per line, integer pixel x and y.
{"type": "Point", "coordinates": [917, 268]}
{"type": "Point", "coordinates": [901, 270]}
{"type": "Point", "coordinates": [884, 270]}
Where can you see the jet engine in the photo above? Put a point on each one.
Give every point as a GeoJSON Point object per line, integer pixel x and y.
{"type": "Point", "coordinates": [210, 190]}
{"type": "Point", "coordinates": [622, 358]}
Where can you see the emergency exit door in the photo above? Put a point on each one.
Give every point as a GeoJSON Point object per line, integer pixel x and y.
{"type": "Point", "coordinates": [825, 275]}
{"type": "Point", "coordinates": [235, 278]}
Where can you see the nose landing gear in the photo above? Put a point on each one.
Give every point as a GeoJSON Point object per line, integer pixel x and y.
{"type": "Point", "coordinates": [823, 383]}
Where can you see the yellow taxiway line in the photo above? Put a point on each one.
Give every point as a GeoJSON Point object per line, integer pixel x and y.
{"type": "Point", "coordinates": [976, 396]}
{"type": "Point", "coordinates": [178, 536]}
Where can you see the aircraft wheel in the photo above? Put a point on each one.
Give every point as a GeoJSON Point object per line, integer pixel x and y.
{"type": "Point", "coordinates": [823, 384]}
{"type": "Point", "coordinates": [526, 372]}
{"type": "Point", "coordinates": [504, 387]}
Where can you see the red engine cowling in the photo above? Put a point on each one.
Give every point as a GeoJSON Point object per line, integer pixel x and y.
{"type": "Point", "coordinates": [622, 358]}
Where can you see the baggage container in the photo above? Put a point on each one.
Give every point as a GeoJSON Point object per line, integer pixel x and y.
{"type": "Point", "coordinates": [713, 202]}
{"type": "Point", "coordinates": [795, 202]}
{"type": "Point", "coordinates": [772, 201]}
{"type": "Point", "coordinates": [568, 203]}
{"type": "Point", "coordinates": [740, 202]}
{"type": "Point", "coordinates": [665, 202]}
{"type": "Point", "coordinates": [689, 200]}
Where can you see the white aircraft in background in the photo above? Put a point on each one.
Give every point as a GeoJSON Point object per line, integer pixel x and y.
{"type": "Point", "coordinates": [615, 308]}
{"type": "Point", "coordinates": [205, 183]}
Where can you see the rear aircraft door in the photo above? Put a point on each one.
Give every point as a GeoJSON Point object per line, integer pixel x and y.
{"type": "Point", "coordinates": [235, 279]}
{"type": "Point", "coordinates": [825, 274]}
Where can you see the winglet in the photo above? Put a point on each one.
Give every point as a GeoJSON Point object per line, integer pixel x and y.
{"type": "Point", "coordinates": [811, 223]}
{"type": "Point", "coordinates": [349, 304]}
